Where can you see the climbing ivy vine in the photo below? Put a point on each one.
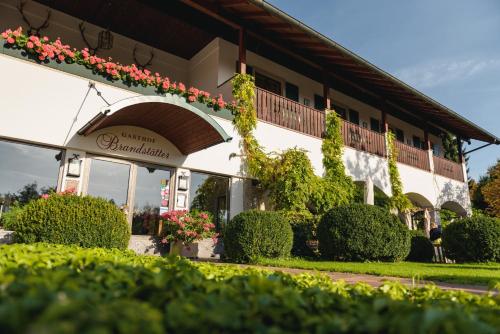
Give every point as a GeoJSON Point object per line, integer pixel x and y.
{"type": "Point", "coordinates": [398, 200]}
{"type": "Point", "coordinates": [288, 175]}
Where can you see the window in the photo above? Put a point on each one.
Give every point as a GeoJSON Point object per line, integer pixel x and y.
{"type": "Point", "coordinates": [267, 83]}
{"type": "Point", "coordinates": [400, 136]}
{"type": "Point", "coordinates": [152, 198]}
{"type": "Point", "coordinates": [417, 142]}
{"type": "Point", "coordinates": [374, 124]}
{"type": "Point", "coordinates": [109, 180]}
{"type": "Point", "coordinates": [353, 116]}
{"type": "Point", "coordinates": [210, 193]}
{"type": "Point", "coordinates": [436, 150]}
{"type": "Point", "coordinates": [26, 172]}
{"type": "Point", "coordinates": [292, 92]}
{"type": "Point", "coordinates": [342, 112]}
{"type": "Point", "coordinates": [319, 102]}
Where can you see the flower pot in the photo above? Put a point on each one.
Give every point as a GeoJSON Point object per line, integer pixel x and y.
{"type": "Point", "coordinates": [201, 249]}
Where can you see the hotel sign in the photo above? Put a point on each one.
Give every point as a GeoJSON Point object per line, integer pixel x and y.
{"type": "Point", "coordinates": [129, 142]}
{"type": "Point", "coordinates": [125, 142]}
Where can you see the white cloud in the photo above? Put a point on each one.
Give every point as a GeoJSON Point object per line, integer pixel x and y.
{"type": "Point", "coordinates": [436, 73]}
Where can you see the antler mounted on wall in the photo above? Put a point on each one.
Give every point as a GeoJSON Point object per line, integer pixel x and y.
{"type": "Point", "coordinates": [145, 65]}
{"type": "Point", "coordinates": [92, 50]}
{"type": "Point", "coordinates": [32, 30]}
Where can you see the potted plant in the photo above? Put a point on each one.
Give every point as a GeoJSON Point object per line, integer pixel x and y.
{"type": "Point", "coordinates": [190, 234]}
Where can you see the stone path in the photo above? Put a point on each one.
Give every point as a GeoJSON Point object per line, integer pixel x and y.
{"type": "Point", "coordinates": [373, 280]}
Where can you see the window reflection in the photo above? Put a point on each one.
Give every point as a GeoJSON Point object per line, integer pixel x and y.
{"type": "Point", "coordinates": [26, 172]}
{"type": "Point", "coordinates": [152, 198]}
{"type": "Point", "coordinates": [109, 180]}
{"type": "Point", "coordinates": [210, 193]}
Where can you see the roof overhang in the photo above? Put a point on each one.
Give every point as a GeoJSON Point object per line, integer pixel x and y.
{"type": "Point", "coordinates": [170, 116]}
{"type": "Point", "coordinates": [268, 23]}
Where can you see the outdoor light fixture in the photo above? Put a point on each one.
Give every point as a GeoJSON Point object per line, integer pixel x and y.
{"type": "Point", "coordinates": [182, 183]}
{"type": "Point", "coordinates": [105, 41]}
{"type": "Point", "coordinates": [74, 166]}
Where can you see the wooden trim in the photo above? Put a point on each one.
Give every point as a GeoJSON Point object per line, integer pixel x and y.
{"type": "Point", "coordinates": [242, 51]}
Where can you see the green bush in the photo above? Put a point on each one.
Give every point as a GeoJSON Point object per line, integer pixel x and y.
{"type": "Point", "coordinates": [66, 289]}
{"type": "Point", "coordinates": [422, 249]}
{"type": "Point", "coordinates": [68, 219]}
{"type": "Point", "coordinates": [304, 225]}
{"type": "Point", "coordinates": [254, 234]}
{"type": "Point", "coordinates": [475, 239]}
{"type": "Point", "coordinates": [360, 232]}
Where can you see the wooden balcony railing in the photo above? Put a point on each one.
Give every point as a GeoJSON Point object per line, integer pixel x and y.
{"type": "Point", "coordinates": [412, 156]}
{"type": "Point", "coordinates": [448, 168]}
{"type": "Point", "coordinates": [284, 112]}
{"type": "Point", "coordinates": [363, 139]}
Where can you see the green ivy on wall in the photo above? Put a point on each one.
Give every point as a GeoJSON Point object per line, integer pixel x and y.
{"type": "Point", "coordinates": [289, 176]}
{"type": "Point", "coordinates": [398, 200]}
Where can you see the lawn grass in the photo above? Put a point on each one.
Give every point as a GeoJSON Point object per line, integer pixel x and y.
{"type": "Point", "coordinates": [471, 273]}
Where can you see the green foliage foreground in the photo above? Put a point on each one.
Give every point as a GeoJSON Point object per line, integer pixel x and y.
{"type": "Point", "coordinates": [66, 289]}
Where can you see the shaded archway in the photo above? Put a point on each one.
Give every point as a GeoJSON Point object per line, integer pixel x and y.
{"type": "Point", "coordinates": [455, 207]}
{"type": "Point", "coordinates": [419, 200]}
{"type": "Point", "coordinates": [184, 125]}
{"type": "Point", "coordinates": [380, 197]}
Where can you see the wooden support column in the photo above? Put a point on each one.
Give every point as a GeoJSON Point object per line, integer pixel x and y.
{"type": "Point", "coordinates": [385, 125]}
{"type": "Point", "coordinates": [326, 92]}
{"type": "Point", "coordinates": [461, 158]}
{"type": "Point", "coordinates": [427, 142]}
{"type": "Point", "coordinates": [242, 51]}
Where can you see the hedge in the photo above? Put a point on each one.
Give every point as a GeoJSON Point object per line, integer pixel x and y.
{"type": "Point", "coordinates": [304, 225]}
{"type": "Point", "coordinates": [66, 289]}
{"type": "Point", "coordinates": [361, 232]}
{"type": "Point", "coordinates": [68, 219]}
{"type": "Point", "coordinates": [422, 249]}
{"type": "Point", "coordinates": [252, 234]}
{"type": "Point", "coordinates": [475, 239]}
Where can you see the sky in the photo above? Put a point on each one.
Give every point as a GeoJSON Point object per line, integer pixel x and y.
{"type": "Point", "coordinates": [447, 49]}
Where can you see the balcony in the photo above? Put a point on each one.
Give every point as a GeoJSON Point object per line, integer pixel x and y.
{"type": "Point", "coordinates": [448, 168]}
{"type": "Point", "coordinates": [278, 110]}
{"type": "Point", "coordinates": [363, 139]}
{"type": "Point", "coordinates": [287, 113]}
{"type": "Point", "coordinates": [412, 156]}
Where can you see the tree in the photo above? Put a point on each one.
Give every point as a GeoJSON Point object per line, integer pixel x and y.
{"type": "Point", "coordinates": [491, 190]}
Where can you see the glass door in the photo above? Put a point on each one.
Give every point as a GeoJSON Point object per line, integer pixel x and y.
{"type": "Point", "coordinates": [152, 197]}
{"type": "Point", "coordinates": [109, 179]}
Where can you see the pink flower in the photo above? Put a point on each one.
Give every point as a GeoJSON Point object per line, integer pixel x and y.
{"type": "Point", "coordinates": [11, 40]}
{"type": "Point", "coordinates": [182, 88]}
{"type": "Point", "coordinates": [191, 98]}
{"type": "Point", "coordinates": [60, 57]}
{"type": "Point", "coordinates": [45, 196]}
{"type": "Point", "coordinates": [164, 241]}
{"type": "Point", "coordinates": [30, 45]}
{"type": "Point", "coordinates": [203, 215]}
{"type": "Point", "coordinates": [5, 35]}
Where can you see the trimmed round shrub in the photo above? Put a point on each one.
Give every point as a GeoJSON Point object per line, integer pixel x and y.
{"type": "Point", "coordinates": [422, 249]}
{"type": "Point", "coordinates": [69, 219]}
{"type": "Point", "coordinates": [253, 234]}
{"type": "Point", "coordinates": [360, 232]}
{"type": "Point", "coordinates": [475, 239]}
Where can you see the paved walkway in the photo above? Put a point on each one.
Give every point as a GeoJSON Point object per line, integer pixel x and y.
{"type": "Point", "coordinates": [373, 280]}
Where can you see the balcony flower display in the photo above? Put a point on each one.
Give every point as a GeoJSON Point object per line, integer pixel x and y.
{"type": "Point", "coordinates": [44, 50]}
{"type": "Point", "coordinates": [187, 231]}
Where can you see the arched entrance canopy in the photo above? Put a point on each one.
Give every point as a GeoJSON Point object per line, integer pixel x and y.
{"type": "Point", "coordinates": [184, 125]}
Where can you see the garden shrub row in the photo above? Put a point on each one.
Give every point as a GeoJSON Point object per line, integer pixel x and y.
{"type": "Point", "coordinates": [66, 289]}
{"type": "Point", "coordinates": [360, 232]}
{"type": "Point", "coordinates": [68, 219]}
{"type": "Point", "coordinates": [475, 239]}
{"type": "Point", "coordinates": [422, 249]}
{"type": "Point", "coordinates": [253, 234]}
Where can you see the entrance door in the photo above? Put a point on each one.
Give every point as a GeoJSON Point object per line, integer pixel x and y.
{"type": "Point", "coordinates": [109, 179]}
{"type": "Point", "coordinates": [152, 197]}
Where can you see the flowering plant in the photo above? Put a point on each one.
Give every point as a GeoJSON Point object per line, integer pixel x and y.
{"type": "Point", "coordinates": [45, 51]}
{"type": "Point", "coordinates": [187, 227]}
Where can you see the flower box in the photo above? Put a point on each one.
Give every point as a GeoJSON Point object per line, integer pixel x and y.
{"type": "Point", "coordinates": [200, 249]}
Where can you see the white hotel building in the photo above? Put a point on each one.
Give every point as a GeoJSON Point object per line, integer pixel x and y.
{"type": "Point", "coordinates": [65, 127]}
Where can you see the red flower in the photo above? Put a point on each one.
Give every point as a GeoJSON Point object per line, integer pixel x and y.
{"type": "Point", "coordinates": [11, 40]}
